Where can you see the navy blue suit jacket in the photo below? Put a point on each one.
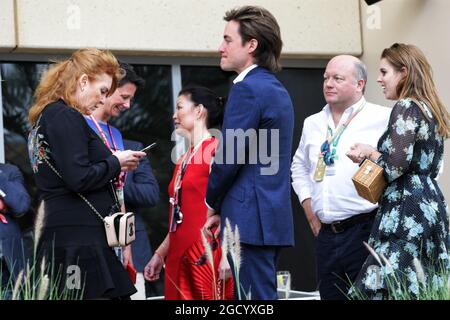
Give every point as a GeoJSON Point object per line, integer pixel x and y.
{"type": "Point", "coordinates": [258, 202]}
{"type": "Point", "coordinates": [141, 191]}
{"type": "Point", "coordinates": [17, 202]}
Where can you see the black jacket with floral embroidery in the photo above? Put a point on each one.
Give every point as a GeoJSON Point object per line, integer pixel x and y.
{"type": "Point", "coordinates": [86, 165]}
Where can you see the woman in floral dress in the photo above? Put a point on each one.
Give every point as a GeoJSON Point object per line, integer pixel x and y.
{"type": "Point", "coordinates": [412, 223]}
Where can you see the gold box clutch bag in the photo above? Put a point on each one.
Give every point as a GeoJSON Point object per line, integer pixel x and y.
{"type": "Point", "coordinates": [369, 181]}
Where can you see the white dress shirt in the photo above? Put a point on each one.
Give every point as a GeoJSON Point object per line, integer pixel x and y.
{"type": "Point", "coordinates": [242, 75]}
{"type": "Point", "coordinates": [335, 197]}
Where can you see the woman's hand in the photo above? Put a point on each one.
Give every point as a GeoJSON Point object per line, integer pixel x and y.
{"type": "Point", "coordinates": [212, 221]}
{"type": "Point", "coordinates": [153, 268]}
{"type": "Point", "coordinates": [2, 206]}
{"type": "Point", "coordinates": [129, 159]}
{"type": "Point", "coordinates": [127, 257]}
{"type": "Point", "coordinates": [224, 268]}
{"type": "Point", "coordinates": [359, 151]}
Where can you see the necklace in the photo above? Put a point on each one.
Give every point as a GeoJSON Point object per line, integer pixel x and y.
{"type": "Point", "coordinates": [120, 183]}
{"type": "Point", "coordinates": [326, 156]}
{"type": "Point", "coordinates": [175, 201]}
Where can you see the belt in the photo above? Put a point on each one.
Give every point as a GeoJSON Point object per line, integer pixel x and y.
{"type": "Point", "coordinates": [342, 225]}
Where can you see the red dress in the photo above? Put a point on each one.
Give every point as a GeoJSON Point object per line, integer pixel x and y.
{"type": "Point", "coordinates": [188, 275]}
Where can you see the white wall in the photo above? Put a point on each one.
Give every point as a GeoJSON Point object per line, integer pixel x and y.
{"type": "Point", "coordinates": [425, 23]}
{"type": "Point", "coordinates": [7, 31]}
{"type": "Point", "coordinates": [177, 27]}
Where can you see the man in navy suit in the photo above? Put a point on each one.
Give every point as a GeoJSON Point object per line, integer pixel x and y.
{"type": "Point", "coordinates": [141, 191]}
{"type": "Point", "coordinates": [14, 202]}
{"type": "Point", "coordinates": [249, 182]}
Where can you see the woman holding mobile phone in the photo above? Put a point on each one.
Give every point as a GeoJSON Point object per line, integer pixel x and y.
{"type": "Point", "coordinates": [69, 160]}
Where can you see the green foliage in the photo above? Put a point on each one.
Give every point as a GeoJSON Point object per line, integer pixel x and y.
{"type": "Point", "coordinates": [39, 280]}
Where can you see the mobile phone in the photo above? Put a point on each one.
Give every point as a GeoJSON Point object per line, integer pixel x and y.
{"type": "Point", "coordinates": [150, 146]}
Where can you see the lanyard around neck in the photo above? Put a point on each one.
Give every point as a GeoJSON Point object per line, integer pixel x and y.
{"type": "Point", "coordinates": [182, 168]}
{"type": "Point", "coordinates": [337, 134]}
{"type": "Point", "coordinates": [120, 183]}
{"type": "Point", "coordinates": [103, 135]}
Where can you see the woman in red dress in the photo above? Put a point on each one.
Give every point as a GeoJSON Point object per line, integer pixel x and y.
{"type": "Point", "coordinates": [188, 272]}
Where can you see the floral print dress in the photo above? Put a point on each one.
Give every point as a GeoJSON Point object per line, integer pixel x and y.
{"type": "Point", "coordinates": [412, 222]}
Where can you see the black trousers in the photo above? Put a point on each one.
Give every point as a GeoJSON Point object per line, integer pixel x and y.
{"type": "Point", "coordinates": [7, 281]}
{"type": "Point", "coordinates": [340, 258]}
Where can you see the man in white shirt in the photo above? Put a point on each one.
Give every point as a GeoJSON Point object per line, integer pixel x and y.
{"type": "Point", "coordinates": [321, 173]}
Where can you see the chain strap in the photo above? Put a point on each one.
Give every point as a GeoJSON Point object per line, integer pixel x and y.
{"type": "Point", "coordinates": [81, 196]}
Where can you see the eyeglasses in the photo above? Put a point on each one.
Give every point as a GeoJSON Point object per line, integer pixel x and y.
{"type": "Point", "coordinates": [327, 153]}
{"type": "Point", "coordinates": [214, 244]}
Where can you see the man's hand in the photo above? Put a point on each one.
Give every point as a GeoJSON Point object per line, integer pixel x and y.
{"type": "Point", "coordinates": [210, 213]}
{"type": "Point", "coordinates": [315, 225]}
{"type": "Point", "coordinates": [313, 221]}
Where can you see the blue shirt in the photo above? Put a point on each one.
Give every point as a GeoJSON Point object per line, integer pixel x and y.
{"type": "Point", "coordinates": [116, 135]}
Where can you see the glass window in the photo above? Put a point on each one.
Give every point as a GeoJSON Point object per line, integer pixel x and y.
{"type": "Point", "coordinates": [305, 88]}
{"type": "Point", "coordinates": [211, 77]}
{"type": "Point", "coordinates": [149, 119]}
{"type": "Point", "coordinates": [19, 81]}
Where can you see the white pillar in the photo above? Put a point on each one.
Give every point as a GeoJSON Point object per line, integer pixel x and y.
{"type": "Point", "coordinates": [176, 88]}
{"type": "Point", "coordinates": [2, 141]}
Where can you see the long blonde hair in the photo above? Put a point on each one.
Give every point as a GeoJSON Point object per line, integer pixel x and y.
{"type": "Point", "coordinates": [418, 83]}
{"type": "Point", "coordinates": [60, 81]}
